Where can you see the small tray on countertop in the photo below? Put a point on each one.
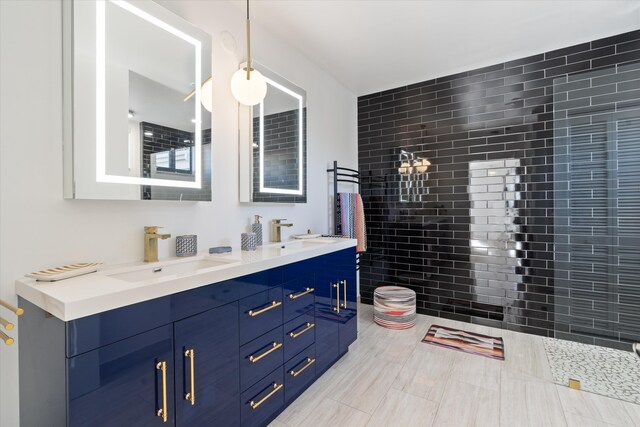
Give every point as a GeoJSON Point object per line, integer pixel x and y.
{"type": "Point", "coordinates": [64, 272]}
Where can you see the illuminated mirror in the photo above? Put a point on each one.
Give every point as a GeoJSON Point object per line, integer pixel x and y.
{"type": "Point", "coordinates": [135, 127]}
{"type": "Point", "coordinates": [273, 144]}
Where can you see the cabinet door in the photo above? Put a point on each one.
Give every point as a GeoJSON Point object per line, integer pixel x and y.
{"type": "Point", "coordinates": [207, 346]}
{"type": "Point", "coordinates": [346, 267]}
{"type": "Point", "coordinates": [123, 383]}
{"type": "Point", "coordinates": [326, 315]}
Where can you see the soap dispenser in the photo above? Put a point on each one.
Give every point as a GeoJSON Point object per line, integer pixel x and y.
{"type": "Point", "coordinates": [256, 227]}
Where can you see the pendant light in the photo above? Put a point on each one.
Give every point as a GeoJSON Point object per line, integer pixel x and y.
{"type": "Point", "coordinates": [247, 84]}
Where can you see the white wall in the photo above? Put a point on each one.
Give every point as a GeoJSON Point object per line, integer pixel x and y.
{"type": "Point", "coordinates": [39, 229]}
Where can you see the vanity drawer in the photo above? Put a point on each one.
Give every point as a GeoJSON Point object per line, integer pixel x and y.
{"type": "Point", "coordinates": [260, 313]}
{"type": "Point", "coordinates": [263, 400]}
{"type": "Point", "coordinates": [299, 297]}
{"type": "Point", "coordinates": [260, 356]}
{"type": "Point", "coordinates": [298, 334]}
{"type": "Point", "coordinates": [299, 372]}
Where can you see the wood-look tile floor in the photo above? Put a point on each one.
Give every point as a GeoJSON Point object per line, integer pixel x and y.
{"type": "Point", "coordinates": [390, 378]}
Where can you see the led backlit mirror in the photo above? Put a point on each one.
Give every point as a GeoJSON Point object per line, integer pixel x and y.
{"type": "Point", "coordinates": [135, 127]}
{"type": "Point", "coordinates": [273, 144]}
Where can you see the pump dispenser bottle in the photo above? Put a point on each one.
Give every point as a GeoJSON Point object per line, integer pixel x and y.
{"type": "Point", "coordinates": [256, 227]}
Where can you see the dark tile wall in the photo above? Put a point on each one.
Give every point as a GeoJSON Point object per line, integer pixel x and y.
{"type": "Point", "coordinates": [281, 134]}
{"type": "Point", "coordinates": [474, 236]}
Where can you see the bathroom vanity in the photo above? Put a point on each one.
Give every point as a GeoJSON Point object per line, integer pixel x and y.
{"type": "Point", "coordinates": [216, 340]}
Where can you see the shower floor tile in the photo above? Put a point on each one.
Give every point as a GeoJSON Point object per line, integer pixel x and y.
{"type": "Point", "coordinates": [601, 370]}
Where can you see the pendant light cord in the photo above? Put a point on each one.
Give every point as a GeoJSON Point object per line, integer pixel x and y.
{"type": "Point", "coordinates": [248, 45]}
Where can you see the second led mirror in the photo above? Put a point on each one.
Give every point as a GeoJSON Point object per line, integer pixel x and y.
{"type": "Point", "coordinates": [273, 144]}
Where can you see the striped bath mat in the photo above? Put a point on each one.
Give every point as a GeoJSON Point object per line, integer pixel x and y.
{"type": "Point", "coordinates": [483, 345]}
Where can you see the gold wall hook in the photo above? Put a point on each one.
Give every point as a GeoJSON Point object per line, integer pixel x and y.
{"type": "Point", "coordinates": [6, 338]}
{"type": "Point", "coordinates": [6, 324]}
{"type": "Point", "coordinates": [18, 311]}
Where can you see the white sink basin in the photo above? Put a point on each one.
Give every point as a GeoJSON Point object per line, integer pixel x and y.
{"type": "Point", "coordinates": [303, 244]}
{"type": "Point", "coordinates": [158, 270]}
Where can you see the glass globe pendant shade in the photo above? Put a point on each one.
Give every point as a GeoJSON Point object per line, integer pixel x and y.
{"type": "Point", "coordinates": [206, 95]}
{"type": "Point", "coordinates": [248, 92]}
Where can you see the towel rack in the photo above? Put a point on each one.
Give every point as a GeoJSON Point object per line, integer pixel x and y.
{"type": "Point", "coordinates": [6, 324]}
{"type": "Point", "coordinates": [342, 174]}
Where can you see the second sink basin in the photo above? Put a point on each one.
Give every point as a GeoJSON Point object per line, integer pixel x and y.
{"type": "Point", "coordinates": [157, 270]}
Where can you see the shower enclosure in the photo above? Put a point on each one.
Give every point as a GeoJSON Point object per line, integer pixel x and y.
{"type": "Point", "coordinates": [597, 206]}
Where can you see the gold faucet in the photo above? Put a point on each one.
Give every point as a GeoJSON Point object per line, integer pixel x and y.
{"type": "Point", "coordinates": [276, 226]}
{"type": "Point", "coordinates": [151, 237]}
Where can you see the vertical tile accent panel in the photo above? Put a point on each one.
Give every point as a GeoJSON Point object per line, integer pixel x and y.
{"type": "Point", "coordinates": [434, 242]}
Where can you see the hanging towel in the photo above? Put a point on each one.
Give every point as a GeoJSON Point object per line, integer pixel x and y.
{"type": "Point", "coordinates": [352, 219]}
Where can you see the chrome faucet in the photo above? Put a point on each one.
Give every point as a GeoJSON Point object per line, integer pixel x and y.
{"type": "Point", "coordinates": [276, 226]}
{"type": "Point", "coordinates": [151, 237]}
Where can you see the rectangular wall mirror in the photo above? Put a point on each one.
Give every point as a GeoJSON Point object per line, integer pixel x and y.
{"type": "Point", "coordinates": [272, 142]}
{"type": "Point", "coordinates": [135, 125]}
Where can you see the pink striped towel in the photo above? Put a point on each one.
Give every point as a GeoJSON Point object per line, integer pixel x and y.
{"type": "Point", "coordinates": [352, 219]}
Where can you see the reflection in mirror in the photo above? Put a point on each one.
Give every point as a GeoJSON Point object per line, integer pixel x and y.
{"type": "Point", "coordinates": [277, 142]}
{"type": "Point", "coordinates": [133, 131]}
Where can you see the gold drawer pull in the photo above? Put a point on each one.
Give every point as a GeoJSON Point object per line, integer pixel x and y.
{"type": "Point", "coordinates": [344, 284]}
{"type": "Point", "coordinates": [301, 294]}
{"type": "Point", "coordinates": [310, 362]}
{"type": "Point", "coordinates": [191, 396]}
{"type": "Point", "coordinates": [337, 307]}
{"type": "Point", "coordinates": [276, 387]}
{"type": "Point", "coordinates": [162, 412]}
{"type": "Point", "coordinates": [274, 347]}
{"type": "Point", "coordinates": [270, 306]}
{"type": "Point", "coordinates": [308, 327]}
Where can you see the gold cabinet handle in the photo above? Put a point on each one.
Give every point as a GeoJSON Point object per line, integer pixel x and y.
{"type": "Point", "coordinates": [301, 294]}
{"type": "Point", "coordinates": [16, 310]}
{"type": "Point", "coordinates": [270, 306]}
{"type": "Point", "coordinates": [276, 387]}
{"type": "Point", "coordinates": [344, 295]}
{"type": "Point", "coordinates": [191, 395]}
{"type": "Point", "coordinates": [337, 307]}
{"type": "Point", "coordinates": [274, 347]}
{"type": "Point", "coordinates": [6, 338]}
{"type": "Point", "coordinates": [307, 327]}
{"type": "Point", "coordinates": [163, 412]}
{"type": "Point", "coordinates": [295, 373]}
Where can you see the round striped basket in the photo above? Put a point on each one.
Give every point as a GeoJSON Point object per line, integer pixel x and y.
{"type": "Point", "coordinates": [394, 307]}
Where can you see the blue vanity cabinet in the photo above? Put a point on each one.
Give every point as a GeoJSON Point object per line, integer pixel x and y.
{"type": "Point", "coordinates": [207, 368]}
{"type": "Point", "coordinates": [233, 353]}
{"type": "Point", "coordinates": [124, 383]}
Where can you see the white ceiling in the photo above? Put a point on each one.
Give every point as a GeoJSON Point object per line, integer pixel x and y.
{"type": "Point", "coordinates": [370, 46]}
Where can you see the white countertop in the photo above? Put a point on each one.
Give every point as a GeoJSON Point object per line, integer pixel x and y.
{"type": "Point", "coordinates": [94, 293]}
